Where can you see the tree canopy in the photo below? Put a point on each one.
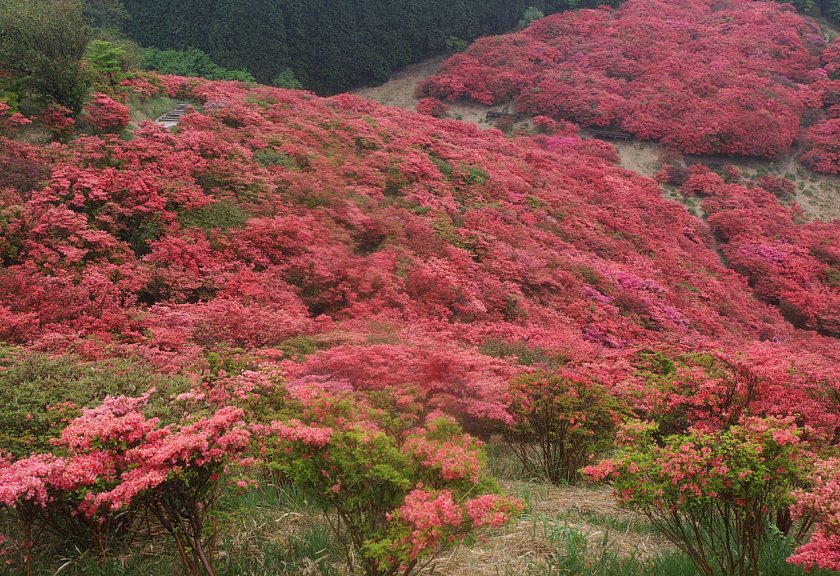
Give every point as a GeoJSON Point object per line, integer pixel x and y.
{"type": "Point", "coordinates": [43, 43]}
{"type": "Point", "coordinates": [330, 45]}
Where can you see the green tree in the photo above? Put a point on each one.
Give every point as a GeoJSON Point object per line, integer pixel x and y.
{"type": "Point", "coordinates": [830, 8]}
{"type": "Point", "coordinates": [190, 62]}
{"type": "Point", "coordinates": [105, 13]}
{"type": "Point", "coordinates": [287, 79]}
{"type": "Point", "coordinates": [43, 42]}
{"type": "Point", "coordinates": [531, 14]}
{"type": "Point", "coordinates": [104, 60]}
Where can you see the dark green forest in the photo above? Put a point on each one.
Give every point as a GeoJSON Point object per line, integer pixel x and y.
{"type": "Point", "coordinates": [331, 45]}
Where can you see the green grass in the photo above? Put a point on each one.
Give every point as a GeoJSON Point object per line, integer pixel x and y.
{"type": "Point", "coordinates": [575, 555]}
{"type": "Point", "coordinates": [272, 531]}
{"type": "Point", "coordinates": [222, 215]}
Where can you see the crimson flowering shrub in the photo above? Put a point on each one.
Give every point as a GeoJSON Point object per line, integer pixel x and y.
{"type": "Point", "coordinates": [782, 188]}
{"type": "Point", "coordinates": [396, 496]}
{"type": "Point", "coordinates": [688, 74]}
{"type": "Point", "coordinates": [118, 462]}
{"type": "Point", "coordinates": [710, 493]}
{"type": "Point", "coordinates": [822, 147]}
{"type": "Point", "coordinates": [10, 121]}
{"type": "Point", "coordinates": [789, 263]}
{"type": "Point", "coordinates": [106, 115]}
{"type": "Point", "coordinates": [560, 423]}
{"type": "Point", "coordinates": [432, 107]}
{"type": "Point", "coordinates": [24, 490]}
{"type": "Point", "coordinates": [819, 504]}
{"type": "Point", "coordinates": [470, 386]}
{"type": "Point", "coordinates": [712, 391]}
{"type": "Point", "coordinates": [143, 84]}
{"type": "Point", "coordinates": [178, 473]}
{"type": "Point", "coordinates": [59, 121]}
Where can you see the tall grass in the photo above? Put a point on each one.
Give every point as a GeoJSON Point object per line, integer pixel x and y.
{"type": "Point", "coordinates": [273, 531]}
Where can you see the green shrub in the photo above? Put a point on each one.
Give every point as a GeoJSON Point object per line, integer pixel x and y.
{"type": "Point", "coordinates": [190, 62]}
{"type": "Point", "coordinates": [712, 494]}
{"type": "Point", "coordinates": [395, 496]}
{"type": "Point", "coordinates": [531, 14]}
{"type": "Point", "coordinates": [287, 79]}
{"type": "Point", "coordinates": [273, 157]}
{"type": "Point", "coordinates": [220, 215]}
{"type": "Point", "coordinates": [561, 421]}
{"type": "Point", "coordinates": [32, 383]}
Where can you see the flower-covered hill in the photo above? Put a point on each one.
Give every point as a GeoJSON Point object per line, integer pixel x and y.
{"type": "Point", "coordinates": [702, 76]}
{"type": "Point", "coordinates": [325, 291]}
{"type": "Point", "coordinates": [408, 250]}
{"type": "Point", "coordinates": [789, 262]}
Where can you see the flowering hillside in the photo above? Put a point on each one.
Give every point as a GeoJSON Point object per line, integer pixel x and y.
{"type": "Point", "coordinates": [273, 214]}
{"type": "Point", "coordinates": [330, 292]}
{"type": "Point", "coordinates": [789, 262]}
{"type": "Point", "coordinates": [704, 77]}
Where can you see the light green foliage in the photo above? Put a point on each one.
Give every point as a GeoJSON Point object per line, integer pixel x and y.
{"type": "Point", "coordinates": [363, 473]}
{"type": "Point", "coordinates": [455, 44]}
{"type": "Point", "coordinates": [287, 79]}
{"type": "Point", "coordinates": [525, 354]}
{"type": "Point", "coordinates": [31, 382]}
{"type": "Point", "coordinates": [104, 61]}
{"type": "Point", "coordinates": [220, 215]}
{"type": "Point", "coordinates": [531, 14]}
{"type": "Point", "coordinates": [190, 62]}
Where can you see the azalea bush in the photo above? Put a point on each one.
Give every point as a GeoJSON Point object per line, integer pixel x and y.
{"type": "Point", "coordinates": [11, 120]}
{"type": "Point", "coordinates": [106, 115]}
{"type": "Point", "coordinates": [59, 121]}
{"type": "Point", "coordinates": [561, 422]}
{"type": "Point", "coordinates": [713, 391]}
{"type": "Point", "coordinates": [819, 504]}
{"type": "Point", "coordinates": [789, 262]}
{"type": "Point", "coordinates": [395, 496]}
{"type": "Point", "coordinates": [822, 150]}
{"type": "Point", "coordinates": [432, 107]}
{"type": "Point", "coordinates": [111, 463]}
{"type": "Point", "coordinates": [712, 494]}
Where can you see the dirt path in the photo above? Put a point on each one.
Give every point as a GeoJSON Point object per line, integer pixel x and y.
{"type": "Point", "coordinates": [400, 90]}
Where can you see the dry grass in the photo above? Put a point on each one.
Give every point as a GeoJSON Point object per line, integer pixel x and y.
{"type": "Point", "coordinates": [529, 543]}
